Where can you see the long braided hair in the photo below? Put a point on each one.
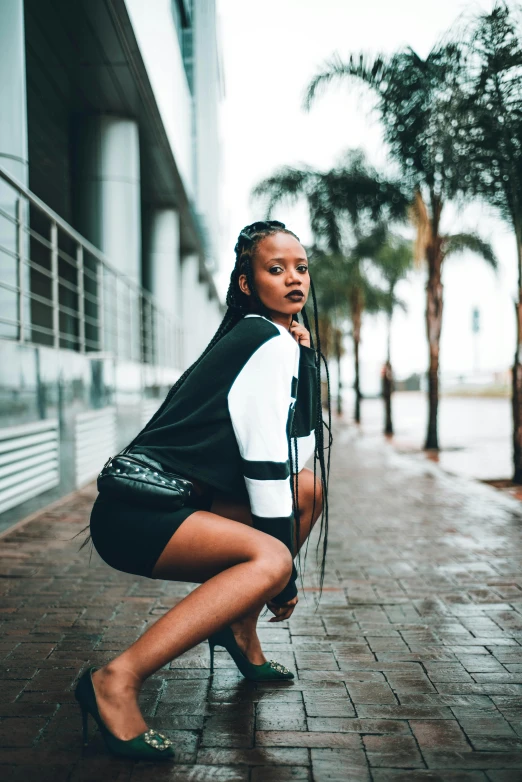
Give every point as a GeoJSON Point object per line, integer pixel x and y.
{"type": "Point", "coordinates": [240, 304]}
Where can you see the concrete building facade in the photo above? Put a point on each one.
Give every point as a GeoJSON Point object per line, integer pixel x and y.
{"type": "Point", "coordinates": [109, 227]}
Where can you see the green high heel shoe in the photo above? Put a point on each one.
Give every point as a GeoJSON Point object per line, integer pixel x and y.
{"type": "Point", "coordinates": [150, 745]}
{"type": "Point", "coordinates": [267, 672]}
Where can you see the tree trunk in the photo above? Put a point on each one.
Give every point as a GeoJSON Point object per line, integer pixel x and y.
{"type": "Point", "coordinates": [356, 330]}
{"type": "Point", "coordinates": [517, 373]}
{"type": "Point", "coordinates": [387, 385]}
{"type": "Point", "coordinates": [338, 338]}
{"type": "Point", "coordinates": [434, 301]}
{"type": "Point", "coordinates": [339, 387]}
{"type": "Point", "coordinates": [387, 388]}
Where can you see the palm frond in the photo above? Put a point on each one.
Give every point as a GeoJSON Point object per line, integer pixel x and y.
{"type": "Point", "coordinates": [369, 70]}
{"type": "Point", "coordinates": [286, 183]}
{"type": "Point", "coordinates": [370, 245]}
{"type": "Point", "coordinates": [375, 298]}
{"type": "Point", "coordinates": [458, 243]}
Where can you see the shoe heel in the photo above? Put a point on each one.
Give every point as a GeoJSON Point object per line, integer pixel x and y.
{"type": "Point", "coordinates": [85, 727]}
{"type": "Point", "coordinates": [211, 647]}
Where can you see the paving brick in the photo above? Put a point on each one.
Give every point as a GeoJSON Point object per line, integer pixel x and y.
{"type": "Point", "coordinates": [392, 751]}
{"type": "Point", "coordinates": [186, 773]}
{"type": "Point", "coordinates": [423, 775]}
{"type": "Point", "coordinates": [323, 661]}
{"type": "Point", "coordinates": [20, 731]}
{"type": "Point", "coordinates": [282, 716]}
{"type": "Point", "coordinates": [440, 759]}
{"type": "Point", "coordinates": [338, 765]}
{"type": "Point", "coordinates": [371, 693]}
{"type": "Point", "coordinates": [37, 773]}
{"type": "Point", "coordinates": [349, 725]}
{"type": "Point", "coordinates": [431, 734]}
{"type": "Point", "coordinates": [271, 774]}
{"type": "Point", "coordinates": [491, 726]}
{"type": "Point", "coordinates": [306, 739]}
{"type": "Point", "coordinates": [406, 712]}
{"type": "Point", "coordinates": [326, 707]}
{"type": "Point", "coordinates": [260, 756]}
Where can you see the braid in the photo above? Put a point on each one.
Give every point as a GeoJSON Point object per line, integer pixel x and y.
{"type": "Point", "coordinates": [320, 425]}
{"type": "Point", "coordinates": [226, 325]}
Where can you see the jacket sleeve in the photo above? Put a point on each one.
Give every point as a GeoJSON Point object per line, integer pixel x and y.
{"type": "Point", "coordinates": [260, 404]}
{"type": "Point", "coordinates": [305, 410]}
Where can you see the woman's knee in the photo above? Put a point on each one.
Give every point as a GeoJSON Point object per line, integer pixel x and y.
{"type": "Point", "coordinates": [275, 563]}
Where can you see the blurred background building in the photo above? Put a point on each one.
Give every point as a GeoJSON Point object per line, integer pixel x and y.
{"type": "Point", "coordinates": [109, 227]}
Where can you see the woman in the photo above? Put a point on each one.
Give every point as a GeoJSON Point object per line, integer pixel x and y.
{"type": "Point", "coordinates": [239, 424]}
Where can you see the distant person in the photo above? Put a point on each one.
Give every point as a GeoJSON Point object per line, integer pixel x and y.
{"type": "Point", "coordinates": [238, 425]}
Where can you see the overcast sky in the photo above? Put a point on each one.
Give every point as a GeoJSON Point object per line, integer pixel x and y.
{"type": "Point", "coordinates": [270, 50]}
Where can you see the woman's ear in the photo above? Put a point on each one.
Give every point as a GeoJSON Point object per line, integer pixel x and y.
{"type": "Point", "coordinates": [243, 285]}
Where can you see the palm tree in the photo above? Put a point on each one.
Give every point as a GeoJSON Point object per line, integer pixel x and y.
{"type": "Point", "coordinates": [415, 99]}
{"type": "Point", "coordinates": [338, 200]}
{"type": "Point", "coordinates": [394, 260]}
{"type": "Point", "coordinates": [344, 289]}
{"type": "Point", "coordinates": [490, 135]}
{"type": "Point", "coordinates": [342, 203]}
{"type": "Point", "coordinates": [332, 315]}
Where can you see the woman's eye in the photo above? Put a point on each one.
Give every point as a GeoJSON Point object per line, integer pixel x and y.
{"type": "Point", "coordinates": [302, 268]}
{"type": "Point", "coordinates": [276, 269]}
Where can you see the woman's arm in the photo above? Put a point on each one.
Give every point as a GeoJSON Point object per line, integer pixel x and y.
{"type": "Point", "coordinates": [260, 403]}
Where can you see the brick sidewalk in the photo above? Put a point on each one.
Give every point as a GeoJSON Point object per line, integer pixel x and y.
{"type": "Point", "coordinates": [410, 670]}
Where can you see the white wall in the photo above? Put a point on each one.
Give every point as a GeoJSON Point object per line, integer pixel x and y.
{"type": "Point", "coordinates": [159, 45]}
{"type": "Point", "coordinates": [208, 89]}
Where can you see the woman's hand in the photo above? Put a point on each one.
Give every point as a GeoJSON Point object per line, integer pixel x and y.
{"type": "Point", "coordinates": [282, 611]}
{"type": "Point", "coordinates": [300, 334]}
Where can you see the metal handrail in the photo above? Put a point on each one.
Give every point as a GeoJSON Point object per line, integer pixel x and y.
{"type": "Point", "coordinates": [147, 333]}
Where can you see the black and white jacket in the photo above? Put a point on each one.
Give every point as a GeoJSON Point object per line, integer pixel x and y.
{"type": "Point", "coordinates": [229, 425]}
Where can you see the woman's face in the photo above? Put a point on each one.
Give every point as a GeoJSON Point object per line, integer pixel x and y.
{"type": "Point", "coordinates": [280, 269]}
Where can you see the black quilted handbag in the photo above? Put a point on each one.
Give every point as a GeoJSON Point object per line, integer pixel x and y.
{"type": "Point", "coordinates": [137, 478]}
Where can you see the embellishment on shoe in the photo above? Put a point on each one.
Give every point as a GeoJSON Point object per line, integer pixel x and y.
{"type": "Point", "coordinates": [151, 738]}
{"type": "Point", "coordinates": [278, 667]}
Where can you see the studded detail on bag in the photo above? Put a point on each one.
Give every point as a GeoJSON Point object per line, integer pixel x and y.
{"type": "Point", "coordinates": [138, 478]}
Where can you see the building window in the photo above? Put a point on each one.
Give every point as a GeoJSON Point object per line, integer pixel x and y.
{"type": "Point", "coordinates": [182, 15]}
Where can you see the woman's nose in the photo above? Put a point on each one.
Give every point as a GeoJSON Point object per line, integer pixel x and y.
{"type": "Point", "coordinates": [293, 277]}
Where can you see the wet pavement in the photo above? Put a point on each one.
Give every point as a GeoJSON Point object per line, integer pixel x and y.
{"type": "Point", "coordinates": [410, 669]}
{"type": "Point", "coordinates": [475, 433]}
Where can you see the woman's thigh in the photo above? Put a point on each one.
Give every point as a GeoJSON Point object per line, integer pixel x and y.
{"type": "Point", "coordinates": [205, 544]}
{"type": "Point", "coordinates": [232, 509]}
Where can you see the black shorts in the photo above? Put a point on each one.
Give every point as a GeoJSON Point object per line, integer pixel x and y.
{"type": "Point", "coordinates": [131, 537]}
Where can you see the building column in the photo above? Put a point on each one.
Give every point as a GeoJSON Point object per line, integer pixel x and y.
{"type": "Point", "coordinates": [161, 264]}
{"type": "Point", "coordinates": [14, 158]}
{"type": "Point", "coordinates": [190, 307]}
{"type": "Point", "coordinates": [13, 100]}
{"type": "Point", "coordinates": [108, 213]}
{"type": "Point", "coordinates": [162, 277]}
{"type": "Point", "coordinates": [108, 189]}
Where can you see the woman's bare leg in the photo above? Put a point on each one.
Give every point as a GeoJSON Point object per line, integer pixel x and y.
{"type": "Point", "coordinates": [239, 570]}
{"type": "Point", "coordinates": [245, 628]}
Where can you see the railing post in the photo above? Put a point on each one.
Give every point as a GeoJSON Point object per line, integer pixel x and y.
{"type": "Point", "coordinates": [100, 279]}
{"type": "Point", "coordinates": [20, 253]}
{"type": "Point", "coordinates": [115, 282]}
{"type": "Point", "coordinates": [150, 350]}
{"type": "Point", "coordinates": [131, 322]}
{"type": "Point", "coordinates": [81, 298]}
{"type": "Point", "coordinates": [54, 285]}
